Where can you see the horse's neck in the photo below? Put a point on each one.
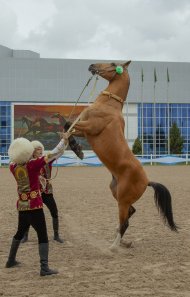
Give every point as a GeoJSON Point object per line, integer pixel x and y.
{"type": "Point", "coordinates": [119, 87]}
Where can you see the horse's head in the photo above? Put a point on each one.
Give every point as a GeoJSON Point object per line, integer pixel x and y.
{"type": "Point", "coordinates": [61, 118]}
{"type": "Point", "coordinates": [55, 115]}
{"type": "Point", "coordinates": [109, 70]}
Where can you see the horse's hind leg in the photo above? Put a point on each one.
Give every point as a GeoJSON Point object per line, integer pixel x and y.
{"type": "Point", "coordinates": [131, 211]}
{"type": "Point", "coordinates": [113, 188]}
{"type": "Point", "coordinates": [124, 223]}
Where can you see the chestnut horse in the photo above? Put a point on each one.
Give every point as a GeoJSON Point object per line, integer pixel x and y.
{"type": "Point", "coordinates": [102, 124]}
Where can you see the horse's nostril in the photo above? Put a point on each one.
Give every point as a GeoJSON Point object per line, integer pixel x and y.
{"type": "Point", "coordinates": [90, 67]}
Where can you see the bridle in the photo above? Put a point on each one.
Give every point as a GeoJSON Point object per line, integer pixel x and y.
{"type": "Point", "coordinates": [109, 68]}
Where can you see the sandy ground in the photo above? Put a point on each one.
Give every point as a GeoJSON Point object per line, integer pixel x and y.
{"type": "Point", "coordinates": [157, 264]}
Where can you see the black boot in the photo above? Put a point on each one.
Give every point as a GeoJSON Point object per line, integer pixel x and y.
{"type": "Point", "coordinates": [25, 237]}
{"type": "Point", "coordinates": [56, 230]}
{"type": "Point", "coordinates": [12, 254]}
{"type": "Point", "coordinates": [43, 252]}
{"type": "Point", "coordinates": [74, 145]}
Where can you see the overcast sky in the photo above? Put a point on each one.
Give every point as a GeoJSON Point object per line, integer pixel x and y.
{"type": "Point", "coordinates": [148, 30]}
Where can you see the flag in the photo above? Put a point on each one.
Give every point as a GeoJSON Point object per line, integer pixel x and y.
{"type": "Point", "coordinates": [155, 76]}
{"type": "Point", "coordinates": [168, 78]}
{"type": "Point", "coordinates": [142, 75]}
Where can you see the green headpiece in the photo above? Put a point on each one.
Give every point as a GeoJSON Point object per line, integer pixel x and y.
{"type": "Point", "coordinates": [119, 69]}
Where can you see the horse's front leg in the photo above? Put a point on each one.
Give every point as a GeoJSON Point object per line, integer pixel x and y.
{"type": "Point", "coordinates": [77, 133]}
{"type": "Point", "coordinates": [91, 127]}
{"type": "Point", "coordinates": [85, 127]}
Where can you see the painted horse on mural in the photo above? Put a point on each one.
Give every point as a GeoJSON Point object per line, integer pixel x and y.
{"type": "Point", "coordinates": [40, 125]}
{"type": "Point", "coordinates": [32, 126]}
{"type": "Point", "coordinates": [103, 125]}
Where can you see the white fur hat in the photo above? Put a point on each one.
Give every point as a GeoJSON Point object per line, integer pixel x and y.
{"type": "Point", "coordinates": [36, 144]}
{"type": "Point", "coordinates": [20, 151]}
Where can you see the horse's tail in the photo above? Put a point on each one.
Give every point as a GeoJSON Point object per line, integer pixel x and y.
{"type": "Point", "coordinates": [163, 202]}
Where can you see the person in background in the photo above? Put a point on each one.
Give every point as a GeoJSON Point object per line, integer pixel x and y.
{"type": "Point", "coordinates": [26, 172]}
{"type": "Point", "coordinates": [46, 190]}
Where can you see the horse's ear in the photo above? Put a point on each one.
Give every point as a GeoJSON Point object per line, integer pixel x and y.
{"type": "Point", "coordinates": [126, 64]}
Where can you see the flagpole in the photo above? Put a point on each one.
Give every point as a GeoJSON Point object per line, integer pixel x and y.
{"type": "Point", "coordinates": [168, 109]}
{"type": "Point", "coordinates": [154, 115]}
{"type": "Point", "coordinates": [142, 114]}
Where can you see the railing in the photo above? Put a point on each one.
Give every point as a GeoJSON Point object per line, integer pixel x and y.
{"type": "Point", "coordinates": [90, 159]}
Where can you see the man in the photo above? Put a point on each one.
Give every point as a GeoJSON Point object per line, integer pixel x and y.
{"type": "Point", "coordinates": [26, 171]}
{"type": "Point", "coordinates": [46, 190]}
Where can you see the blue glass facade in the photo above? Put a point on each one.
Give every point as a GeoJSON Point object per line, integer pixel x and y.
{"type": "Point", "coordinates": [155, 121]}
{"type": "Point", "coordinates": [5, 126]}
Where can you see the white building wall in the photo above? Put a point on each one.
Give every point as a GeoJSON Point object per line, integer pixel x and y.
{"type": "Point", "coordinates": [130, 113]}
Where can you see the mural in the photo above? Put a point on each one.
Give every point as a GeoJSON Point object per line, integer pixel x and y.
{"type": "Point", "coordinates": [45, 122]}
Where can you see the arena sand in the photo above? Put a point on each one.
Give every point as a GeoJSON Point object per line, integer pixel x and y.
{"type": "Point", "coordinates": [157, 264]}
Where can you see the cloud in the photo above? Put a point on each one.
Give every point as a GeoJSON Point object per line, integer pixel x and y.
{"type": "Point", "coordinates": [8, 24]}
{"type": "Point", "coordinates": [109, 29]}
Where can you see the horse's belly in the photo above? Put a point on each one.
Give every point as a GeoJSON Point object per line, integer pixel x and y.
{"type": "Point", "coordinates": [108, 154]}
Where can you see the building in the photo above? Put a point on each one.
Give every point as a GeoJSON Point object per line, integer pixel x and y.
{"type": "Point", "coordinates": [159, 95]}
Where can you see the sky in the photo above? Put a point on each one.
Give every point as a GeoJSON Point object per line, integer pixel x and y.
{"type": "Point", "coordinates": [140, 30]}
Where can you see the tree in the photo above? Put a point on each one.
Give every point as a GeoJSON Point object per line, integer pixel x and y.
{"type": "Point", "coordinates": [160, 140]}
{"type": "Point", "coordinates": [137, 147]}
{"type": "Point", "coordinates": [176, 140]}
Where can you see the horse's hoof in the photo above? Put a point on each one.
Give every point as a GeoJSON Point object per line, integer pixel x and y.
{"type": "Point", "coordinates": [113, 248]}
{"type": "Point", "coordinates": [128, 245]}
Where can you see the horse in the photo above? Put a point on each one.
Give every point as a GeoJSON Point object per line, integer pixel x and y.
{"type": "Point", "coordinates": [102, 124]}
{"type": "Point", "coordinates": [31, 125]}
{"type": "Point", "coordinates": [75, 147]}
{"type": "Point", "coordinates": [46, 126]}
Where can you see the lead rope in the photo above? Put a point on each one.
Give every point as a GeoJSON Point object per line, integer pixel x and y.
{"type": "Point", "coordinates": [79, 97]}
{"type": "Point", "coordinates": [56, 172]}
{"type": "Point", "coordinates": [90, 97]}
{"type": "Point", "coordinates": [44, 182]}
{"type": "Point", "coordinates": [93, 91]}
{"type": "Point", "coordinates": [100, 72]}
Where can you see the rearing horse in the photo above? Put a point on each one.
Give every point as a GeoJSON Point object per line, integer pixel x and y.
{"type": "Point", "coordinates": [102, 124]}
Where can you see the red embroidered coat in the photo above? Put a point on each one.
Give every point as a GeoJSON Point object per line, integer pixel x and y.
{"type": "Point", "coordinates": [28, 185]}
{"type": "Point", "coordinates": [45, 173]}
